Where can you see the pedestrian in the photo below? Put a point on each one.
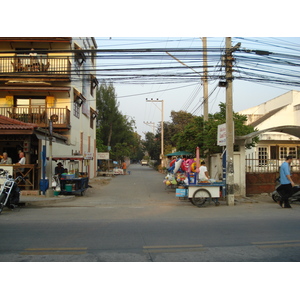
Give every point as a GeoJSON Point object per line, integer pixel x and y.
{"type": "Point", "coordinates": [203, 173]}
{"type": "Point", "coordinates": [286, 183]}
{"type": "Point", "coordinates": [59, 169]}
{"type": "Point", "coordinates": [124, 167]}
{"type": "Point", "coordinates": [5, 160]}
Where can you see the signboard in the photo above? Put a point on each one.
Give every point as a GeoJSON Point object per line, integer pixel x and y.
{"type": "Point", "coordinates": [222, 135]}
{"type": "Point", "coordinates": [103, 155]}
{"type": "Point", "coordinates": [88, 155]}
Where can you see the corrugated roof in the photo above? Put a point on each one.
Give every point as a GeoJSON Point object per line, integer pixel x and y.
{"type": "Point", "coordinates": [9, 123]}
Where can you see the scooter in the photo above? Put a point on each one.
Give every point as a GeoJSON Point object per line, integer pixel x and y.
{"type": "Point", "coordinates": [295, 196]}
{"type": "Point", "coordinates": [10, 192]}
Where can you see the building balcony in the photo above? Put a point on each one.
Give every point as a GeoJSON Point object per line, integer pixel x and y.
{"type": "Point", "coordinates": [39, 115]}
{"type": "Point", "coordinates": [39, 66]}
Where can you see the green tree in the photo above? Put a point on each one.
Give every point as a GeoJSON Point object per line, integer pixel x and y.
{"type": "Point", "coordinates": [152, 145]}
{"type": "Point", "coordinates": [115, 130]}
{"type": "Point", "coordinates": [204, 134]}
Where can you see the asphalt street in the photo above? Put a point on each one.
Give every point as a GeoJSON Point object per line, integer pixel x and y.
{"type": "Point", "coordinates": [134, 218]}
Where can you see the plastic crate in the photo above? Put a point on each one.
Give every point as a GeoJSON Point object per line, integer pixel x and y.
{"type": "Point", "coordinates": [181, 193]}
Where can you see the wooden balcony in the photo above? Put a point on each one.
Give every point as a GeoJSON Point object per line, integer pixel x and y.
{"type": "Point", "coordinates": [39, 66]}
{"type": "Point", "coordinates": [39, 115]}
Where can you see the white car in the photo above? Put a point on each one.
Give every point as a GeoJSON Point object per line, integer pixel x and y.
{"type": "Point", "coordinates": [144, 162]}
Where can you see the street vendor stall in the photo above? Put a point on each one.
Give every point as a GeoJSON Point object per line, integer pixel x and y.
{"type": "Point", "coordinates": [201, 194]}
{"type": "Point", "coordinates": [74, 180]}
{"type": "Point", "coordinates": [201, 191]}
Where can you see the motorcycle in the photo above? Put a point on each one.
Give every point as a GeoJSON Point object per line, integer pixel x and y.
{"type": "Point", "coordinates": [10, 192]}
{"type": "Point", "coordinates": [276, 196]}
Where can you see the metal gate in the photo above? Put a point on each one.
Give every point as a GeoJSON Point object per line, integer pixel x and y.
{"type": "Point", "coordinates": [261, 175]}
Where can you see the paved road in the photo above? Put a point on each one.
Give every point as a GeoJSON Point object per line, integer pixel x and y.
{"type": "Point", "coordinates": [134, 218]}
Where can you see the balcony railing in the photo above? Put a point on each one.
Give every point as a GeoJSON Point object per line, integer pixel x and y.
{"type": "Point", "coordinates": [25, 65]}
{"type": "Point", "coordinates": [39, 115]}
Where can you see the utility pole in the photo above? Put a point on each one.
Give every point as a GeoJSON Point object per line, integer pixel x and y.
{"type": "Point", "coordinates": [205, 80]}
{"type": "Point", "coordinates": [152, 124]}
{"type": "Point", "coordinates": [229, 122]}
{"type": "Point", "coordinates": [162, 128]}
{"type": "Point", "coordinates": [49, 192]}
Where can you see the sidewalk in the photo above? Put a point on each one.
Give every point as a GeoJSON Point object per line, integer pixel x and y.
{"type": "Point", "coordinates": [43, 200]}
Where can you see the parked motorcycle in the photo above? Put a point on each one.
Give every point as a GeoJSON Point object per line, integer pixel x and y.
{"type": "Point", "coordinates": [295, 196]}
{"type": "Point", "coordinates": [10, 192]}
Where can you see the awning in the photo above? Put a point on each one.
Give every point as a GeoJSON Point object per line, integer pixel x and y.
{"type": "Point", "coordinates": [43, 134]}
{"type": "Point", "coordinates": [180, 153]}
{"type": "Point", "coordinates": [69, 157]}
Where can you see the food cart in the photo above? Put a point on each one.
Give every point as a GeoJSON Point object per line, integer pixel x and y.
{"type": "Point", "coordinates": [203, 193]}
{"type": "Point", "coordinates": [74, 181]}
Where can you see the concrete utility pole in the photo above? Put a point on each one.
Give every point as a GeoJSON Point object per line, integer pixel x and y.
{"type": "Point", "coordinates": [229, 123]}
{"type": "Point", "coordinates": [162, 127]}
{"type": "Point", "coordinates": [205, 80]}
{"type": "Point", "coordinates": [152, 124]}
{"type": "Point", "coordinates": [50, 192]}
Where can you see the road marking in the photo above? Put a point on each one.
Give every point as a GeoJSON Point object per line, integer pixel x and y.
{"type": "Point", "coordinates": [54, 251]}
{"type": "Point", "coordinates": [173, 248]}
{"type": "Point", "coordinates": [277, 244]}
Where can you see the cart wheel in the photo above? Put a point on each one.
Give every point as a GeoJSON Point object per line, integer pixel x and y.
{"type": "Point", "coordinates": [191, 200]}
{"type": "Point", "coordinates": [201, 197]}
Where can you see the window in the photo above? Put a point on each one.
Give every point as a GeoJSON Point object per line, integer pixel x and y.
{"type": "Point", "coordinates": [76, 109]}
{"type": "Point", "coordinates": [93, 117]}
{"type": "Point", "coordinates": [262, 156]}
{"type": "Point", "coordinates": [283, 152]}
{"type": "Point", "coordinates": [293, 152]}
{"type": "Point", "coordinates": [32, 102]}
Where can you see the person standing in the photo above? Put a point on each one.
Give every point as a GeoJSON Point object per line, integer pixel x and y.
{"type": "Point", "coordinates": [286, 183]}
{"type": "Point", "coordinates": [124, 167]}
{"type": "Point", "coordinates": [5, 160]}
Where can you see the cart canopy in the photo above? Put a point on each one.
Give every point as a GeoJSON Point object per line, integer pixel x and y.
{"type": "Point", "coordinates": [180, 153]}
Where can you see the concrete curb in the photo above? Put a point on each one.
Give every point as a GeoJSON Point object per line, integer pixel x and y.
{"type": "Point", "coordinates": [43, 201]}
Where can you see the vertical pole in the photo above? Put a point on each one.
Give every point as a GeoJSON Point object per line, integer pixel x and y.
{"type": "Point", "coordinates": [162, 128]}
{"type": "Point", "coordinates": [205, 81]}
{"type": "Point", "coordinates": [229, 126]}
{"type": "Point", "coordinates": [162, 133]}
{"type": "Point", "coordinates": [49, 192]}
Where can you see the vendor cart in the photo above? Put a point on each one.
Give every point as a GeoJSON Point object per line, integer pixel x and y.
{"type": "Point", "coordinates": [203, 193]}
{"type": "Point", "coordinates": [74, 181]}
{"type": "Point", "coordinates": [75, 186]}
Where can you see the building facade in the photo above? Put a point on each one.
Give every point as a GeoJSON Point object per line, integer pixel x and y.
{"type": "Point", "coordinates": [49, 82]}
{"type": "Point", "coordinates": [274, 146]}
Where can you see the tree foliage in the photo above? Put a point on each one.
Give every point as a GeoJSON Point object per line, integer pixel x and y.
{"type": "Point", "coordinates": [115, 131]}
{"type": "Point", "coordinates": [186, 131]}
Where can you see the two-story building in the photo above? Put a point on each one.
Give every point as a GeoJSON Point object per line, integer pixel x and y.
{"type": "Point", "coordinates": [44, 81]}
